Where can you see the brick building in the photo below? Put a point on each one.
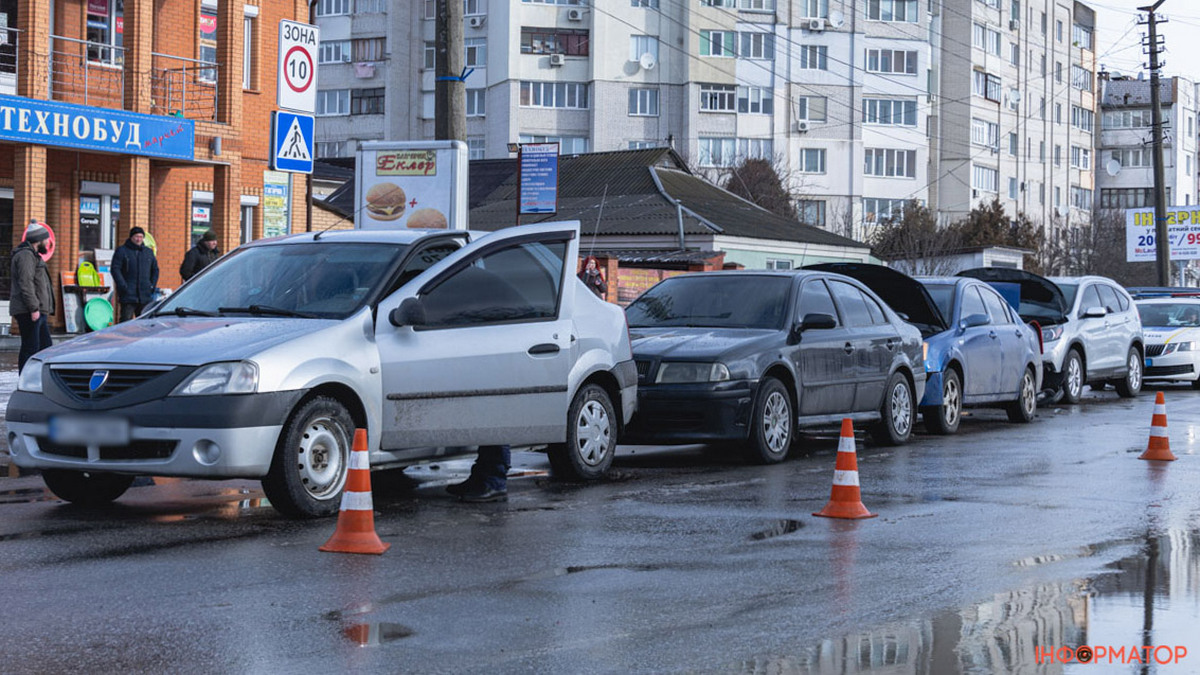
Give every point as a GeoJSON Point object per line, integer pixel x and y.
{"type": "Point", "coordinates": [155, 113]}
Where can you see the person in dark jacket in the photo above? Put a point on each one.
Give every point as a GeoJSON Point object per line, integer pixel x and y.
{"type": "Point", "coordinates": [32, 293]}
{"type": "Point", "coordinates": [135, 273]}
{"type": "Point", "coordinates": [593, 278]}
{"type": "Point", "coordinates": [200, 256]}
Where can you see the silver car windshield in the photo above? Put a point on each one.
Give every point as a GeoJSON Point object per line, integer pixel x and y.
{"type": "Point", "coordinates": [716, 301]}
{"type": "Point", "coordinates": [319, 280]}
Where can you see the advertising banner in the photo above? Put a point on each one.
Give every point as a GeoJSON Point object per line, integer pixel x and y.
{"type": "Point", "coordinates": [276, 201]}
{"type": "Point", "coordinates": [539, 178]}
{"type": "Point", "coordinates": [411, 184]}
{"type": "Point", "coordinates": [27, 120]}
{"type": "Point", "coordinates": [1183, 228]}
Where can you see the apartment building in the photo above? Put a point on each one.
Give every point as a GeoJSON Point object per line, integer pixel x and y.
{"type": "Point", "coordinates": [1125, 167]}
{"type": "Point", "coordinates": [1016, 109]}
{"type": "Point", "coordinates": [154, 113]}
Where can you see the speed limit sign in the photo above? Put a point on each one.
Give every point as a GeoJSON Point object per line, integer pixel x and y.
{"type": "Point", "coordinates": [297, 65]}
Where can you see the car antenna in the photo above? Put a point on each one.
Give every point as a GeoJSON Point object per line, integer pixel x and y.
{"type": "Point", "coordinates": [596, 229]}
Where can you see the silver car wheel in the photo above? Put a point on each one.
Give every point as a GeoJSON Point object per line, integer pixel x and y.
{"type": "Point", "coordinates": [594, 431]}
{"type": "Point", "coordinates": [1135, 370]}
{"type": "Point", "coordinates": [1074, 382]}
{"type": "Point", "coordinates": [951, 402]}
{"type": "Point", "coordinates": [1028, 394]}
{"type": "Point", "coordinates": [776, 422]}
{"type": "Point", "coordinates": [322, 458]}
{"type": "Point", "coordinates": [902, 410]}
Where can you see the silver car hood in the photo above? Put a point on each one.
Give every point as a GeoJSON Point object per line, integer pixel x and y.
{"type": "Point", "coordinates": [189, 341]}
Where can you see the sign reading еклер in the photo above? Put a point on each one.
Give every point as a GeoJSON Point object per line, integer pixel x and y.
{"type": "Point", "coordinates": [297, 76]}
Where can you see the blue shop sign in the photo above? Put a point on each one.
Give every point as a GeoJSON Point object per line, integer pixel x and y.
{"type": "Point", "coordinates": [28, 120]}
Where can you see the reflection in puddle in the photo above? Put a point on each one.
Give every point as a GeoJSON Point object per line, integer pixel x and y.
{"type": "Point", "coordinates": [375, 634]}
{"type": "Point", "coordinates": [1150, 600]}
{"type": "Point", "coordinates": [778, 529]}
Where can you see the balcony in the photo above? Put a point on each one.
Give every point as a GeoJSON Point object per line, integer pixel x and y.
{"type": "Point", "coordinates": [9, 48]}
{"type": "Point", "coordinates": [87, 73]}
{"type": "Point", "coordinates": [183, 87]}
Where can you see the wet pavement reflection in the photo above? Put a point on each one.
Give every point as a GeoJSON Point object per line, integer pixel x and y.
{"type": "Point", "coordinates": [1140, 616]}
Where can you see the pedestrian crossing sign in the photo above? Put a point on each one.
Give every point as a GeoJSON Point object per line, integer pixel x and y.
{"type": "Point", "coordinates": [292, 142]}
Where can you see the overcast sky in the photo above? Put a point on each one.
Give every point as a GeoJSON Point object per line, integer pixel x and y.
{"type": "Point", "coordinates": [1118, 40]}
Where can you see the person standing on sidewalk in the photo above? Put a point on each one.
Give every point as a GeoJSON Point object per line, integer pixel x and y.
{"type": "Point", "coordinates": [203, 254]}
{"type": "Point", "coordinates": [135, 273]}
{"type": "Point", "coordinates": [32, 296]}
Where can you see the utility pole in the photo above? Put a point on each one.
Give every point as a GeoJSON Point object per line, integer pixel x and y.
{"type": "Point", "coordinates": [1161, 239]}
{"type": "Point", "coordinates": [450, 92]}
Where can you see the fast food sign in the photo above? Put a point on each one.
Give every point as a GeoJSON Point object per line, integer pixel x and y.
{"type": "Point", "coordinates": [419, 185]}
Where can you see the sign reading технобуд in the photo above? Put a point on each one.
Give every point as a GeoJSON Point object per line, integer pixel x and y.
{"type": "Point", "coordinates": [57, 124]}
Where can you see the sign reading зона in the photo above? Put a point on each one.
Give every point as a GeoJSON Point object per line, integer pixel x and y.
{"type": "Point", "coordinates": [28, 120]}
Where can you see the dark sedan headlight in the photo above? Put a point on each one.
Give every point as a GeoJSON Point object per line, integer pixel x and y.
{"type": "Point", "coordinates": [682, 372]}
{"type": "Point", "coordinates": [31, 377]}
{"type": "Point", "coordinates": [1051, 333]}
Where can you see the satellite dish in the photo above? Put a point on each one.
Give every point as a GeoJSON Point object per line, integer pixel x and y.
{"type": "Point", "coordinates": [1064, 210]}
{"type": "Point", "coordinates": [1015, 95]}
{"type": "Point", "coordinates": [647, 61]}
{"type": "Point", "coordinates": [836, 19]}
{"type": "Point", "coordinates": [1113, 167]}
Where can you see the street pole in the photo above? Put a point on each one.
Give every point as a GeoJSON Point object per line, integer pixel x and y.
{"type": "Point", "coordinates": [308, 180]}
{"type": "Point", "coordinates": [1161, 238]}
{"type": "Point", "coordinates": [450, 98]}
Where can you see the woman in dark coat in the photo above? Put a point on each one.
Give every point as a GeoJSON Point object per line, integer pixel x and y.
{"type": "Point", "coordinates": [593, 278]}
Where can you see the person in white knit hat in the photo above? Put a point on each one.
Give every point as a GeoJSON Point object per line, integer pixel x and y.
{"type": "Point", "coordinates": [32, 296]}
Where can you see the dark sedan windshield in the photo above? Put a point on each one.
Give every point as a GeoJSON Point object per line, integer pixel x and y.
{"type": "Point", "coordinates": [713, 301]}
{"type": "Point", "coordinates": [319, 279]}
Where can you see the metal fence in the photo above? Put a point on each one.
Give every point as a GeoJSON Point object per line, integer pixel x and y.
{"type": "Point", "coordinates": [183, 87]}
{"type": "Point", "coordinates": [89, 73]}
{"type": "Point", "coordinates": [10, 39]}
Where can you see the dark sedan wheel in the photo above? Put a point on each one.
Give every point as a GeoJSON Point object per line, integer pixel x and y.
{"type": "Point", "coordinates": [86, 488]}
{"type": "Point", "coordinates": [1131, 385]}
{"type": "Point", "coordinates": [897, 411]}
{"type": "Point", "coordinates": [1072, 386]}
{"type": "Point", "coordinates": [1023, 409]}
{"type": "Point", "coordinates": [944, 419]}
{"type": "Point", "coordinates": [772, 424]}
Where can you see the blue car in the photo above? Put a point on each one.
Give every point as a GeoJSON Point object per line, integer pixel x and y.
{"type": "Point", "coordinates": [978, 351]}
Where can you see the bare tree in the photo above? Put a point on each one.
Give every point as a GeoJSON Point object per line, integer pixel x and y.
{"type": "Point", "coordinates": [758, 181]}
{"type": "Point", "coordinates": [915, 244]}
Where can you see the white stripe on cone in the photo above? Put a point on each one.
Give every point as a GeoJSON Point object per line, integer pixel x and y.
{"type": "Point", "coordinates": [845, 444]}
{"type": "Point", "coordinates": [1160, 408]}
{"type": "Point", "coordinates": [359, 460]}
{"type": "Point", "coordinates": [357, 501]}
{"type": "Point", "coordinates": [1158, 432]}
{"type": "Point", "coordinates": [845, 478]}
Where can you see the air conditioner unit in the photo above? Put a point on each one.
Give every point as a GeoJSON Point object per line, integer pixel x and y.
{"type": "Point", "coordinates": [816, 24]}
{"type": "Point", "coordinates": [574, 15]}
{"type": "Point", "coordinates": [801, 125]}
{"type": "Point", "coordinates": [1014, 24]}
{"type": "Point", "coordinates": [557, 59]}
{"type": "Point", "coordinates": [476, 21]}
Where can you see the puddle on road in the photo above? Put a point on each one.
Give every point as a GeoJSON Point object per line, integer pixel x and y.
{"type": "Point", "coordinates": [375, 634]}
{"type": "Point", "coordinates": [1147, 607]}
{"type": "Point", "coordinates": [778, 529]}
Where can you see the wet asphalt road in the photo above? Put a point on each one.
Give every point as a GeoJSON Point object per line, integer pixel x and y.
{"type": "Point", "coordinates": [684, 561]}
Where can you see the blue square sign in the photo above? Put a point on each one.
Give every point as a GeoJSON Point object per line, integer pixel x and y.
{"type": "Point", "coordinates": [292, 142]}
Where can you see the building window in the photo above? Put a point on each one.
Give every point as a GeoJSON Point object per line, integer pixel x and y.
{"type": "Point", "coordinates": [476, 56]}
{"type": "Point", "coordinates": [756, 100]}
{"type": "Point", "coordinates": [554, 41]}
{"type": "Point", "coordinates": [1057, 155]}
{"type": "Point", "coordinates": [326, 149]}
{"type": "Point", "coordinates": [1014, 54]}
{"type": "Point", "coordinates": [892, 10]}
{"type": "Point", "coordinates": [430, 56]}
{"type": "Point", "coordinates": [755, 148]}
{"type": "Point", "coordinates": [1081, 36]}
{"type": "Point", "coordinates": [371, 49]}
{"type": "Point", "coordinates": [567, 145]}
{"type": "Point", "coordinates": [366, 101]}
{"type": "Point", "coordinates": [756, 5]}
{"type": "Point", "coordinates": [811, 212]}
{"type": "Point", "coordinates": [892, 61]}
{"type": "Point", "coordinates": [642, 145]}
{"type": "Point", "coordinates": [333, 102]}
{"type": "Point", "coordinates": [1014, 145]}
{"type": "Point", "coordinates": [888, 163]}
{"type": "Point", "coordinates": [475, 147]}
{"type": "Point", "coordinates": [1058, 30]}
{"type": "Point", "coordinates": [1082, 118]}
{"type": "Point", "coordinates": [718, 3]}
{"type": "Point", "coordinates": [718, 151]}
{"type": "Point", "coordinates": [890, 112]}
{"type": "Point", "coordinates": [812, 160]}
{"type": "Point", "coordinates": [335, 51]}
{"type": "Point", "coordinates": [814, 9]}
{"type": "Point", "coordinates": [1127, 119]}
{"type": "Point", "coordinates": [370, 6]}
{"type": "Point", "coordinates": [718, 97]}
{"type": "Point", "coordinates": [648, 4]}
{"type": "Point", "coordinates": [985, 133]}
{"type": "Point", "coordinates": [206, 43]}
{"type": "Point", "coordinates": [104, 31]}
{"type": "Point", "coordinates": [1057, 197]}
{"type": "Point", "coordinates": [554, 2]}
{"type": "Point", "coordinates": [985, 178]}
{"type": "Point", "coordinates": [555, 95]}
{"type": "Point", "coordinates": [1043, 23]}
{"type": "Point", "coordinates": [1081, 78]}
{"type": "Point", "coordinates": [474, 7]}
{"type": "Point", "coordinates": [718, 43]}
{"type": "Point", "coordinates": [810, 108]}
{"type": "Point", "coordinates": [1132, 158]}
{"type": "Point", "coordinates": [1012, 188]}
{"type": "Point", "coordinates": [878, 211]}
{"type": "Point", "coordinates": [813, 57]}
{"type": "Point", "coordinates": [333, 7]}
{"type": "Point", "coordinates": [247, 223]}
{"type": "Point", "coordinates": [248, 52]}
{"type": "Point", "coordinates": [757, 46]}
{"type": "Point", "coordinates": [986, 39]}
{"type": "Point", "coordinates": [1081, 198]}
{"type": "Point", "coordinates": [985, 85]}
{"type": "Point", "coordinates": [1126, 198]}
{"type": "Point", "coordinates": [476, 102]}
{"type": "Point", "coordinates": [776, 264]}
{"type": "Point", "coordinates": [643, 44]}
{"type": "Point", "coordinates": [643, 102]}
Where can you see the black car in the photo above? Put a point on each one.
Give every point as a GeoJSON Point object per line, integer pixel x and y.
{"type": "Point", "coordinates": [751, 356]}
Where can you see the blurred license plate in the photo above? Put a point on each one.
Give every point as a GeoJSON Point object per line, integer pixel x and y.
{"type": "Point", "coordinates": [90, 430]}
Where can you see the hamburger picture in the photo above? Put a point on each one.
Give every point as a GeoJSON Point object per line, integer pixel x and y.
{"type": "Point", "coordinates": [427, 219]}
{"type": "Point", "coordinates": [385, 201]}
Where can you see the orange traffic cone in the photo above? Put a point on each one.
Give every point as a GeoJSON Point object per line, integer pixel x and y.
{"type": "Point", "coordinates": [355, 532]}
{"type": "Point", "coordinates": [845, 501]}
{"type": "Point", "coordinates": [1159, 447]}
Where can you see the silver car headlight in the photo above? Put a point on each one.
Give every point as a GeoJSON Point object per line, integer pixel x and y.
{"type": "Point", "coordinates": [31, 377]}
{"type": "Point", "coordinates": [678, 373]}
{"type": "Point", "coordinates": [233, 377]}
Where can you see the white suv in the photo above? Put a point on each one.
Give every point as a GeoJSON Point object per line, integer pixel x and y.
{"type": "Point", "coordinates": [264, 364]}
{"type": "Point", "coordinates": [1091, 331]}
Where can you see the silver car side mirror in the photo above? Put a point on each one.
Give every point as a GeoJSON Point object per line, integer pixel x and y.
{"type": "Point", "coordinates": [411, 312]}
